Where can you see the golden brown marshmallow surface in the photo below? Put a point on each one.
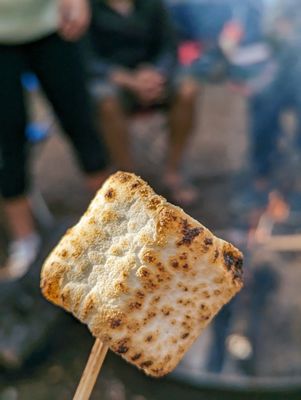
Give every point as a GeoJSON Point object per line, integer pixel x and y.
{"type": "Point", "coordinates": [144, 276]}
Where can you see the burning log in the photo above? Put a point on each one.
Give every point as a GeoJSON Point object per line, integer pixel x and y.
{"type": "Point", "coordinates": [282, 243]}
{"type": "Point", "coordinates": [261, 234]}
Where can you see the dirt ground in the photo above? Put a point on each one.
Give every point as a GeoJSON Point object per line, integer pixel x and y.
{"type": "Point", "coordinates": [218, 146]}
{"type": "Point", "coordinates": [218, 149]}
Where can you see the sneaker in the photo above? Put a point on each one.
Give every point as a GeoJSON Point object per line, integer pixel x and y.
{"type": "Point", "coordinates": [21, 255]}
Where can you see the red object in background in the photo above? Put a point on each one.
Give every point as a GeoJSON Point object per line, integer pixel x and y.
{"type": "Point", "coordinates": [188, 52]}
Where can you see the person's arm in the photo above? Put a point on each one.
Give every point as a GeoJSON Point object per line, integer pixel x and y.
{"type": "Point", "coordinates": [74, 18]}
{"type": "Point", "coordinates": [120, 76]}
{"type": "Point", "coordinates": [164, 46]}
{"type": "Point", "coordinates": [285, 21]}
{"type": "Point", "coordinates": [97, 65]}
{"type": "Point", "coordinates": [100, 67]}
{"type": "Point", "coordinates": [244, 27]}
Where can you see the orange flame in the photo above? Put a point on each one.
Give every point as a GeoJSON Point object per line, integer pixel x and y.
{"type": "Point", "coordinates": [277, 211]}
{"type": "Point", "coordinates": [277, 207]}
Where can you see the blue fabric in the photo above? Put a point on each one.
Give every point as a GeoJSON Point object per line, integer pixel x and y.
{"type": "Point", "coordinates": [29, 81]}
{"type": "Point", "coordinates": [205, 19]}
{"type": "Point", "coordinates": [250, 14]}
{"type": "Point", "coordinates": [36, 132]}
{"type": "Point", "coordinates": [267, 106]}
{"type": "Point", "coordinates": [199, 20]}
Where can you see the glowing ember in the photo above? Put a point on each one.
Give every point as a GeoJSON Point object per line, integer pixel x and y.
{"type": "Point", "coordinates": [239, 346]}
{"type": "Point", "coordinates": [277, 208]}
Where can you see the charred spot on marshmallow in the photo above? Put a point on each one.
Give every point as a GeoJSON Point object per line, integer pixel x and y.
{"type": "Point", "coordinates": [115, 323]}
{"type": "Point", "coordinates": [122, 349]}
{"type": "Point", "coordinates": [208, 241]}
{"type": "Point", "coordinates": [185, 335]}
{"type": "Point", "coordinates": [216, 255]}
{"type": "Point", "coordinates": [189, 234]}
{"type": "Point", "coordinates": [136, 184]}
{"type": "Point", "coordinates": [136, 357]}
{"type": "Point", "coordinates": [233, 263]}
{"type": "Point", "coordinates": [135, 306]}
{"type": "Point", "coordinates": [146, 364]}
{"type": "Point", "coordinates": [123, 177]}
{"type": "Point", "coordinates": [110, 194]}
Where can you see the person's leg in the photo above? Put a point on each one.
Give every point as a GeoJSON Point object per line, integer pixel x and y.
{"type": "Point", "coordinates": [115, 128]}
{"type": "Point", "coordinates": [12, 145]}
{"type": "Point", "coordinates": [181, 121]}
{"type": "Point", "coordinates": [264, 114]}
{"type": "Point", "coordinates": [58, 66]}
{"type": "Point", "coordinates": [13, 179]}
{"type": "Point", "coordinates": [19, 217]}
{"type": "Point", "coordinates": [295, 78]}
{"type": "Point", "coordinates": [264, 109]}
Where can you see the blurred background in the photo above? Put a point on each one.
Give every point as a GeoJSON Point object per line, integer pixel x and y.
{"type": "Point", "coordinates": [201, 98]}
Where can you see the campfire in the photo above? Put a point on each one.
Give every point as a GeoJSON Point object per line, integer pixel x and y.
{"type": "Point", "coordinates": [261, 232]}
{"type": "Point", "coordinates": [265, 250]}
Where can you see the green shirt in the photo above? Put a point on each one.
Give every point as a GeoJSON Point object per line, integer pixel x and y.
{"type": "Point", "coordinates": [23, 21]}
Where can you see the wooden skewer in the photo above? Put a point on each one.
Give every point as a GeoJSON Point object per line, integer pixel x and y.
{"type": "Point", "coordinates": [89, 376]}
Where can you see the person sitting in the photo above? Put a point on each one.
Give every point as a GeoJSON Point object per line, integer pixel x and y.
{"type": "Point", "coordinates": [39, 36]}
{"type": "Point", "coordinates": [134, 66]}
{"type": "Point", "coordinates": [234, 49]}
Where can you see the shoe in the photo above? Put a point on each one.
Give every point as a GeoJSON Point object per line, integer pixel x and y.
{"type": "Point", "coordinates": [21, 255]}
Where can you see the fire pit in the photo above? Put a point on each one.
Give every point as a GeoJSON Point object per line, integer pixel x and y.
{"type": "Point", "coordinates": [255, 344]}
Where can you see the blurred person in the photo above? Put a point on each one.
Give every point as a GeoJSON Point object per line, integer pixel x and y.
{"type": "Point", "coordinates": [134, 67]}
{"type": "Point", "coordinates": [284, 36]}
{"type": "Point", "coordinates": [274, 89]}
{"type": "Point", "coordinates": [252, 70]}
{"type": "Point", "coordinates": [39, 35]}
{"type": "Point", "coordinates": [228, 34]}
{"type": "Point", "coordinates": [199, 19]}
{"type": "Point", "coordinates": [233, 48]}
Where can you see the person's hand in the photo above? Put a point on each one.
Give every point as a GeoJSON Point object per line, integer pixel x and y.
{"type": "Point", "coordinates": [150, 77]}
{"type": "Point", "coordinates": [150, 85]}
{"type": "Point", "coordinates": [231, 36]}
{"type": "Point", "coordinates": [74, 18]}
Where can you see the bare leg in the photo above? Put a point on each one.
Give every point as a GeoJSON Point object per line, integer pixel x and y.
{"type": "Point", "coordinates": [95, 181]}
{"type": "Point", "coordinates": [181, 122]}
{"type": "Point", "coordinates": [114, 127]}
{"type": "Point", "coordinates": [19, 217]}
